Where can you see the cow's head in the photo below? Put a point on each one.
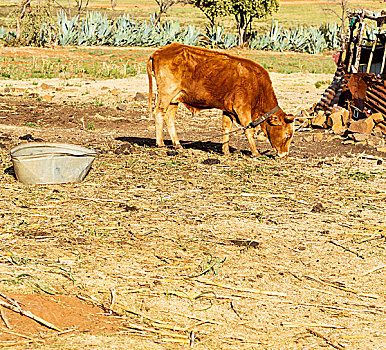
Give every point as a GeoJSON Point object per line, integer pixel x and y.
{"type": "Point", "coordinates": [279, 128]}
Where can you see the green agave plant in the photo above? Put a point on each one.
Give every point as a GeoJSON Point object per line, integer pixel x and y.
{"type": "Point", "coordinates": [189, 36]}
{"type": "Point", "coordinates": [215, 37]}
{"type": "Point", "coordinates": [68, 29]}
{"type": "Point", "coordinates": [302, 39]}
{"type": "Point", "coordinates": [3, 32]}
{"type": "Point", "coordinates": [96, 29]}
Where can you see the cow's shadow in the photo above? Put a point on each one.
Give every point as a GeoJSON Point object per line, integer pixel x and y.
{"type": "Point", "coordinates": [205, 146]}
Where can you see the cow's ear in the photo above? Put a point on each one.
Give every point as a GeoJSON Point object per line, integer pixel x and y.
{"type": "Point", "coordinates": [289, 118]}
{"type": "Point", "coordinates": [274, 120]}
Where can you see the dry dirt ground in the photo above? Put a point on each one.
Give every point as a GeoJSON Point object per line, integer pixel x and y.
{"type": "Point", "coordinates": [164, 250]}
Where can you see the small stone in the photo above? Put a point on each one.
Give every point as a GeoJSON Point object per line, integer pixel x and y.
{"type": "Point", "coordinates": [381, 149]}
{"type": "Point", "coordinates": [115, 92]}
{"type": "Point", "coordinates": [319, 121]}
{"type": "Point", "coordinates": [121, 107]}
{"type": "Point", "coordinates": [45, 86]}
{"type": "Point", "coordinates": [140, 97]}
{"type": "Point", "coordinates": [47, 98]}
{"type": "Point", "coordinates": [377, 117]}
{"type": "Point", "coordinates": [128, 207]}
{"type": "Point", "coordinates": [359, 137]}
{"type": "Point", "coordinates": [126, 148]}
{"type": "Point", "coordinates": [335, 120]}
{"type": "Point", "coordinates": [317, 208]}
{"type": "Point", "coordinates": [348, 142]}
{"type": "Point", "coordinates": [374, 140]}
{"type": "Point", "coordinates": [363, 126]}
{"type": "Point", "coordinates": [211, 161]}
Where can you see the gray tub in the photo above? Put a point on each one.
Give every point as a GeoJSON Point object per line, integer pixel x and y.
{"type": "Point", "coordinates": [48, 163]}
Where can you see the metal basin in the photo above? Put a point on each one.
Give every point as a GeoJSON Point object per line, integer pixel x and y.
{"type": "Point", "coordinates": [49, 163]}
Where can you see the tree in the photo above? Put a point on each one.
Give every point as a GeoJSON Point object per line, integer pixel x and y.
{"type": "Point", "coordinates": [164, 5]}
{"type": "Point", "coordinates": [244, 11]}
{"type": "Point", "coordinates": [31, 17]}
{"type": "Point", "coordinates": [212, 9]}
{"type": "Point", "coordinates": [79, 6]}
{"type": "Point", "coordinates": [23, 7]}
{"type": "Point", "coordinates": [342, 14]}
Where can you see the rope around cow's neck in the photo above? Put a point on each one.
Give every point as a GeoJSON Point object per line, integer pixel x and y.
{"type": "Point", "coordinates": [253, 124]}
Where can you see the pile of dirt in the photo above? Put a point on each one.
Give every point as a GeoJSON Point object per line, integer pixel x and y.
{"type": "Point", "coordinates": [47, 317]}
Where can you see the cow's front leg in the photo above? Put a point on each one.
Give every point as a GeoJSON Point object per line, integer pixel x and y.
{"type": "Point", "coordinates": [249, 134]}
{"type": "Point", "coordinates": [170, 123]}
{"type": "Point", "coordinates": [226, 128]}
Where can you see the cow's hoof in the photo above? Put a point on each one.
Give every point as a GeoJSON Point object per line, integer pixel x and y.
{"type": "Point", "coordinates": [255, 155]}
{"type": "Point", "coordinates": [225, 151]}
{"type": "Point", "coordinates": [282, 156]}
{"type": "Point", "coordinates": [178, 147]}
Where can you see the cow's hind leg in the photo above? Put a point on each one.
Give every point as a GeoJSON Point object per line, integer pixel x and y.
{"type": "Point", "coordinates": [226, 128]}
{"type": "Point", "coordinates": [159, 113]}
{"type": "Point", "coordinates": [170, 123]}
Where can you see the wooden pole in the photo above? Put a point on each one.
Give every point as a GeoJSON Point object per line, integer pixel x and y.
{"type": "Point", "coordinates": [373, 48]}
{"type": "Point", "coordinates": [350, 47]}
{"type": "Point", "coordinates": [361, 29]}
{"type": "Point", "coordinates": [383, 61]}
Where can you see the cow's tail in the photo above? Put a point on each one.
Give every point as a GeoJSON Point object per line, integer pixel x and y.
{"type": "Point", "coordinates": [149, 69]}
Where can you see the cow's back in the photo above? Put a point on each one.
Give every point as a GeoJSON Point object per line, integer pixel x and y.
{"type": "Point", "coordinates": [179, 58]}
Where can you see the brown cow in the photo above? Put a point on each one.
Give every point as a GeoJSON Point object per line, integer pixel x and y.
{"type": "Point", "coordinates": [204, 79]}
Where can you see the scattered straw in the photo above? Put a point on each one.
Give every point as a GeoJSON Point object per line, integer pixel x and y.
{"type": "Point", "coordinates": [4, 318]}
{"type": "Point", "coordinates": [247, 290]}
{"type": "Point", "coordinates": [321, 325]}
{"type": "Point", "coordinates": [373, 270]}
{"type": "Point", "coordinates": [365, 295]}
{"type": "Point", "coordinates": [329, 341]}
{"type": "Point", "coordinates": [35, 340]}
